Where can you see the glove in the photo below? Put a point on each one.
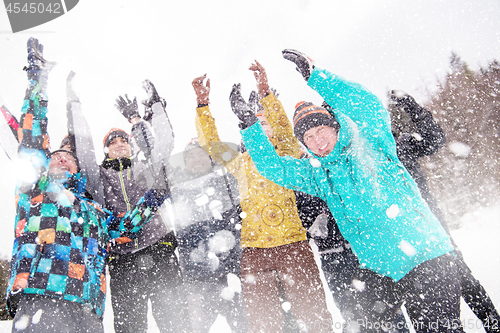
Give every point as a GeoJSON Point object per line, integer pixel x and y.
{"type": "Point", "coordinates": [406, 102]}
{"type": "Point", "coordinates": [305, 65]}
{"type": "Point", "coordinates": [153, 98]}
{"type": "Point", "coordinates": [38, 68]}
{"type": "Point", "coordinates": [128, 108]}
{"type": "Point", "coordinates": [154, 198]}
{"type": "Point", "coordinates": [143, 137]}
{"type": "Point", "coordinates": [254, 103]}
{"type": "Point", "coordinates": [255, 100]}
{"type": "Point", "coordinates": [243, 110]}
{"type": "Point", "coordinates": [402, 99]}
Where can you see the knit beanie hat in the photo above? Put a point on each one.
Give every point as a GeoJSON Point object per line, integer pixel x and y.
{"type": "Point", "coordinates": [114, 133]}
{"type": "Point", "coordinates": [64, 142]}
{"type": "Point", "coordinates": [307, 115]}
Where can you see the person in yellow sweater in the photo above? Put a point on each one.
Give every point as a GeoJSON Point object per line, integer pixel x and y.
{"type": "Point", "coordinates": [276, 253]}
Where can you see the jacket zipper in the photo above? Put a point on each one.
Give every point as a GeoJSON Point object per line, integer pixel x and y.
{"type": "Point", "coordinates": [125, 196]}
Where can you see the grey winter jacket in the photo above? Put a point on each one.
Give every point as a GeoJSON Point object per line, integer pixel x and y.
{"type": "Point", "coordinates": [125, 179]}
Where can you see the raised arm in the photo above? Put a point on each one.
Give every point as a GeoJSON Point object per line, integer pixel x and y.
{"type": "Point", "coordinates": [283, 139]}
{"type": "Point", "coordinates": [428, 137]}
{"type": "Point", "coordinates": [345, 97]}
{"type": "Point", "coordinates": [32, 131]}
{"type": "Point", "coordinates": [153, 133]}
{"type": "Point", "coordinates": [155, 111]}
{"type": "Point", "coordinates": [208, 137]}
{"type": "Point", "coordinates": [134, 220]}
{"type": "Point", "coordinates": [289, 172]}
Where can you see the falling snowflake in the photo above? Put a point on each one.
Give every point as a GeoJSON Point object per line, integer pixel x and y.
{"type": "Point", "coordinates": [37, 316]}
{"type": "Point", "coordinates": [286, 306]}
{"type": "Point", "coordinates": [315, 162]}
{"type": "Point", "coordinates": [234, 282]}
{"type": "Point", "coordinates": [407, 248]}
{"type": "Point", "coordinates": [222, 241]}
{"type": "Point", "coordinates": [227, 156]}
{"type": "Point", "coordinates": [358, 284]}
{"type": "Point", "coordinates": [22, 323]}
{"type": "Point", "coordinates": [202, 200]}
{"type": "Point", "coordinates": [392, 211]}
{"type": "Point", "coordinates": [227, 294]}
{"type": "Point", "coordinates": [417, 136]}
{"type": "Point", "coordinates": [459, 149]}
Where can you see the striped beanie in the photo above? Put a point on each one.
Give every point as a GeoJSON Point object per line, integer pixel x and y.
{"type": "Point", "coordinates": [307, 115]}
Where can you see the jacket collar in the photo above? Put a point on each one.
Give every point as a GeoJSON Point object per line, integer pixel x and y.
{"type": "Point", "coordinates": [75, 183]}
{"type": "Point", "coordinates": [117, 164]}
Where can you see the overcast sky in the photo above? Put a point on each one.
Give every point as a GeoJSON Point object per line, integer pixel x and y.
{"type": "Point", "coordinates": [114, 45]}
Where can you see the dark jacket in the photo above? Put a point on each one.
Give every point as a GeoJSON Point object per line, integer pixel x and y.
{"type": "Point", "coordinates": [427, 139]}
{"type": "Point", "coordinates": [309, 208]}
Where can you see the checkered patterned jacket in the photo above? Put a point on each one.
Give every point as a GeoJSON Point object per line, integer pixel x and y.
{"type": "Point", "coordinates": [60, 246]}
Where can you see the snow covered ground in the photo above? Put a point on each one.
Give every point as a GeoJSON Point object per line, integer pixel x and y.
{"type": "Point", "coordinates": [478, 237]}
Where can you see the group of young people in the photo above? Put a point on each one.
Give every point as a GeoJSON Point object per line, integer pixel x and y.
{"type": "Point", "coordinates": [236, 241]}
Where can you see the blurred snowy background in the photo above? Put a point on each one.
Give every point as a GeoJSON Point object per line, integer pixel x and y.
{"type": "Point", "coordinates": [114, 45]}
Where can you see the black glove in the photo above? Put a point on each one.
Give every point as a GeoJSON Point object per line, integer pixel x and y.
{"type": "Point", "coordinates": [154, 198]}
{"type": "Point", "coordinates": [128, 108]}
{"type": "Point", "coordinates": [243, 110]}
{"type": "Point", "coordinates": [38, 68]}
{"type": "Point", "coordinates": [143, 137]}
{"type": "Point", "coordinates": [406, 102]}
{"type": "Point", "coordinates": [254, 103]}
{"type": "Point", "coordinates": [305, 65]}
{"type": "Point", "coordinates": [153, 98]}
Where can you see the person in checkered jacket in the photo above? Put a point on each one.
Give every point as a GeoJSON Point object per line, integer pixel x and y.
{"type": "Point", "coordinates": [57, 281]}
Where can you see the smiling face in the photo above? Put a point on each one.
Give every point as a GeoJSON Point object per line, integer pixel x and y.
{"type": "Point", "coordinates": [321, 140]}
{"type": "Point", "coordinates": [198, 160]}
{"type": "Point", "coordinates": [119, 148]}
{"type": "Point", "coordinates": [62, 161]}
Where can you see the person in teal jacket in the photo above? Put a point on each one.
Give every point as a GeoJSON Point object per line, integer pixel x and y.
{"type": "Point", "coordinates": [375, 201]}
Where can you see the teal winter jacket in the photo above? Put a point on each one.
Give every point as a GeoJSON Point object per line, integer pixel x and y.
{"type": "Point", "coordinates": [375, 201]}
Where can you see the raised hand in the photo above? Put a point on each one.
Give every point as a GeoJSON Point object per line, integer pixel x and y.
{"type": "Point", "coordinates": [202, 91]}
{"type": "Point", "coordinates": [127, 108]}
{"type": "Point", "coordinates": [153, 96]}
{"type": "Point", "coordinates": [259, 72]}
{"type": "Point", "coordinates": [305, 65]}
{"type": "Point", "coordinates": [38, 68]}
{"type": "Point", "coordinates": [402, 99]}
{"type": "Point", "coordinates": [243, 110]}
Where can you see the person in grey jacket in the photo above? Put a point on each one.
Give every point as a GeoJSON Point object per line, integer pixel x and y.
{"type": "Point", "coordinates": [208, 223]}
{"type": "Point", "coordinates": [146, 268]}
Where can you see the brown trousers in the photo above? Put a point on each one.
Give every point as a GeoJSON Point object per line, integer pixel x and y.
{"type": "Point", "coordinates": [266, 272]}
